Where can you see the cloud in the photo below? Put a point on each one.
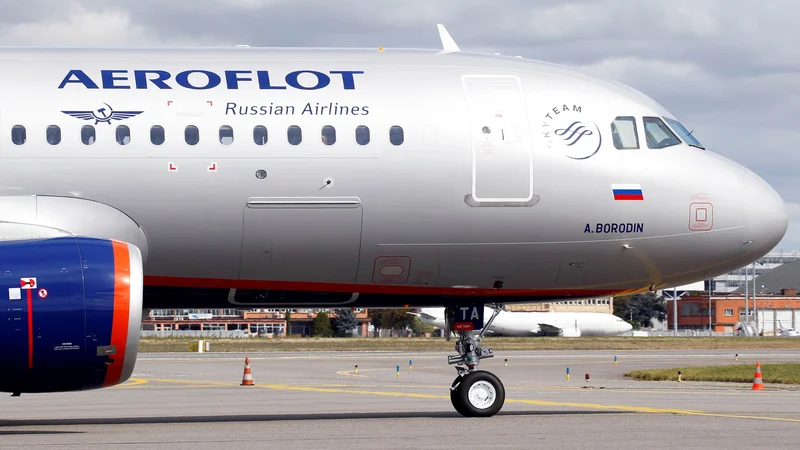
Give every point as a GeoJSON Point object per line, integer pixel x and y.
{"type": "Point", "coordinates": [77, 26]}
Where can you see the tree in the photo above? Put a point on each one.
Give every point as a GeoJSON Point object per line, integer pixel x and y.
{"type": "Point", "coordinates": [640, 309]}
{"type": "Point", "coordinates": [401, 319]}
{"type": "Point", "coordinates": [321, 326]}
{"type": "Point", "coordinates": [392, 319]}
{"type": "Point", "coordinates": [375, 317]}
{"type": "Point", "coordinates": [288, 322]}
{"type": "Point", "coordinates": [420, 328]}
{"type": "Point", "coordinates": [344, 322]}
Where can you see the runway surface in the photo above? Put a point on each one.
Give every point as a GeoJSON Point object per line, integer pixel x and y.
{"type": "Point", "coordinates": [318, 401]}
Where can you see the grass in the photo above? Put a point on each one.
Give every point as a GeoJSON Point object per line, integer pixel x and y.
{"type": "Point", "coordinates": [737, 373]}
{"type": "Point", "coordinates": [496, 343]}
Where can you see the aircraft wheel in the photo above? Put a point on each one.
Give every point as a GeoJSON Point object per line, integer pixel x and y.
{"type": "Point", "coordinates": [455, 397]}
{"type": "Point", "coordinates": [480, 394]}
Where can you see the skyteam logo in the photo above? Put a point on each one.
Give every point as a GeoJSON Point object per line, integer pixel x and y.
{"type": "Point", "coordinates": [103, 114]}
{"type": "Point", "coordinates": [564, 129]}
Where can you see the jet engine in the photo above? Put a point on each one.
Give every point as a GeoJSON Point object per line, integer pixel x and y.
{"type": "Point", "coordinates": [70, 314]}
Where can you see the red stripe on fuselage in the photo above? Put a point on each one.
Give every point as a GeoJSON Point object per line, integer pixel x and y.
{"type": "Point", "coordinates": [218, 283]}
{"type": "Point", "coordinates": [122, 306]}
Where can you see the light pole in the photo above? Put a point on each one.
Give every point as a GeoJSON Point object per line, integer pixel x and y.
{"type": "Point", "coordinates": [675, 310]}
{"type": "Point", "coordinates": [755, 305]}
{"type": "Point", "coordinates": [709, 306]}
{"type": "Point", "coordinates": [746, 294]}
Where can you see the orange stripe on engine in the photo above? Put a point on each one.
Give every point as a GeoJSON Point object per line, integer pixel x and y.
{"type": "Point", "coordinates": [122, 306]}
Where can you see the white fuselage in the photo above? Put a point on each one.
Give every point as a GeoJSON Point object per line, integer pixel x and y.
{"type": "Point", "coordinates": [534, 323]}
{"type": "Point", "coordinates": [255, 177]}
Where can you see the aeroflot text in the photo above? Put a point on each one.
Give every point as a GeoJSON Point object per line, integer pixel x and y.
{"type": "Point", "coordinates": [607, 228]}
{"type": "Point", "coordinates": [307, 80]}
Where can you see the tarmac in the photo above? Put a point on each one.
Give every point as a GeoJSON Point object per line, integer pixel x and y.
{"type": "Point", "coordinates": [318, 401]}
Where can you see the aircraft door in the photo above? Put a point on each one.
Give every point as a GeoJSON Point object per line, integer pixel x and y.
{"type": "Point", "coordinates": [502, 156]}
{"type": "Point", "coordinates": [301, 240]}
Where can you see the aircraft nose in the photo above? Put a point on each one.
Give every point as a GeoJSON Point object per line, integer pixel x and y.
{"type": "Point", "coordinates": [765, 217]}
{"type": "Point", "coordinates": [624, 327]}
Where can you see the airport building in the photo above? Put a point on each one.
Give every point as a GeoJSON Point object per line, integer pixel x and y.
{"type": "Point", "coordinates": [734, 281]}
{"type": "Point", "coordinates": [601, 305]}
{"type": "Point", "coordinates": [249, 322]}
{"type": "Point", "coordinates": [273, 322]}
{"type": "Point", "coordinates": [772, 312]}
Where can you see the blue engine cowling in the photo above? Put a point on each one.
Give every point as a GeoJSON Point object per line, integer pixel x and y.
{"type": "Point", "coordinates": [70, 313]}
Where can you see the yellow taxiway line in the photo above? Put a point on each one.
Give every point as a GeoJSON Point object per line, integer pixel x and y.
{"type": "Point", "coordinates": [339, 389]}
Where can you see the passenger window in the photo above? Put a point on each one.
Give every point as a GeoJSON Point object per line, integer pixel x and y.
{"type": "Point", "coordinates": [396, 135]}
{"type": "Point", "coordinates": [225, 135]}
{"type": "Point", "coordinates": [53, 135]}
{"type": "Point", "coordinates": [123, 135]}
{"type": "Point", "coordinates": [362, 135]}
{"type": "Point", "coordinates": [88, 135]}
{"type": "Point", "coordinates": [191, 135]}
{"type": "Point", "coordinates": [328, 135]}
{"type": "Point", "coordinates": [157, 135]}
{"type": "Point", "coordinates": [686, 135]}
{"type": "Point", "coordinates": [624, 133]}
{"type": "Point", "coordinates": [18, 135]}
{"type": "Point", "coordinates": [294, 134]}
{"type": "Point", "coordinates": [260, 134]}
{"type": "Point", "coordinates": [657, 134]}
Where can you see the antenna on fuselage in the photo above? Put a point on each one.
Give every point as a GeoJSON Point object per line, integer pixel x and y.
{"type": "Point", "coordinates": [448, 43]}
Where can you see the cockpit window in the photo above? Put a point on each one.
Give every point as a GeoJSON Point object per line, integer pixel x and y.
{"type": "Point", "coordinates": [683, 133]}
{"type": "Point", "coordinates": [624, 134]}
{"type": "Point", "coordinates": [658, 134]}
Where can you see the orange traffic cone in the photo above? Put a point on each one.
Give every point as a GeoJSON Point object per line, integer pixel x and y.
{"type": "Point", "coordinates": [247, 378]}
{"type": "Point", "coordinates": [758, 383]}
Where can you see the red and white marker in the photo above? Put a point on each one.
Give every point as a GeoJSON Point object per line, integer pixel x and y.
{"type": "Point", "coordinates": [43, 293]}
{"type": "Point", "coordinates": [172, 167]}
{"type": "Point", "coordinates": [27, 283]}
{"type": "Point", "coordinates": [212, 167]}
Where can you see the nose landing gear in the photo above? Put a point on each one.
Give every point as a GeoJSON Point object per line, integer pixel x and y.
{"type": "Point", "coordinates": [474, 393]}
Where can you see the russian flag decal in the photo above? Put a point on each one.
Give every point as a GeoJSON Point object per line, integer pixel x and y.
{"type": "Point", "coordinates": [627, 191]}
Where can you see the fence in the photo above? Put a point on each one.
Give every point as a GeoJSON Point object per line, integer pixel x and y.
{"type": "Point", "coordinates": [232, 334]}
{"type": "Point", "coordinates": [688, 333]}
{"type": "Point", "coordinates": [242, 334]}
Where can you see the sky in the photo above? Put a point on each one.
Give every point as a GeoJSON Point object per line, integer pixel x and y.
{"type": "Point", "coordinates": [728, 69]}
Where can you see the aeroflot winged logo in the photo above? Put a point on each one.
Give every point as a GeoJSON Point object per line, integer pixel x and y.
{"type": "Point", "coordinates": [106, 114]}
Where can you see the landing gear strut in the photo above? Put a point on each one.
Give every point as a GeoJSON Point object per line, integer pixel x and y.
{"type": "Point", "coordinates": [474, 393]}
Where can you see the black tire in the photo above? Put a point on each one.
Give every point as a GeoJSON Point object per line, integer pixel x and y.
{"type": "Point", "coordinates": [483, 381]}
{"type": "Point", "coordinates": [456, 399]}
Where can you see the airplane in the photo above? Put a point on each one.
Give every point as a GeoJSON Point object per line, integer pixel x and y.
{"type": "Point", "coordinates": [535, 323]}
{"type": "Point", "coordinates": [247, 177]}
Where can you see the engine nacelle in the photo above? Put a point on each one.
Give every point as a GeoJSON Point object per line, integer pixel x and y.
{"type": "Point", "coordinates": [70, 313]}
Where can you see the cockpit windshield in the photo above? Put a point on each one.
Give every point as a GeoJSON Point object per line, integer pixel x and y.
{"type": "Point", "coordinates": [658, 134]}
{"type": "Point", "coordinates": [683, 133]}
